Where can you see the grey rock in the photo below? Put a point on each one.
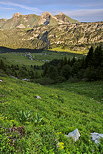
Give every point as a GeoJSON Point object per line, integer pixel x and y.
{"type": "Point", "coordinates": [13, 77]}
{"type": "Point", "coordinates": [96, 137]}
{"type": "Point", "coordinates": [1, 80]}
{"type": "Point", "coordinates": [26, 79]}
{"type": "Point", "coordinates": [74, 135]}
{"type": "Point", "coordinates": [38, 97]}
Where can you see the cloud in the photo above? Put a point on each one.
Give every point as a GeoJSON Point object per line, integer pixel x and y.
{"type": "Point", "coordinates": [36, 10]}
{"type": "Point", "coordinates": [88, 3]}
{"type": "Point", "coordinates": [75, 3]}
{"type": "Point", "coordinates": [6, 8]}
{"type": "Point", "coordinates": [85, 3]}
{"type": "Point", "coordinates": [85, 12]}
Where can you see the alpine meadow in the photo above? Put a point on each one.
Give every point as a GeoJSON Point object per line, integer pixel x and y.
{"type": "Point", "coordinates": [51, 77]}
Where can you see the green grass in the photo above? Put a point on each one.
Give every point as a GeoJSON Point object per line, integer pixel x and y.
{"type": "Point", "coordinates": [46, 55]}
{"type": "Point", "coordinates": [93, 90]}
{"type": "Point", "coordinates": [19, 58]}
{"type": "Point", "coordinates": [61, 109]}
{"type": "Point", "coordinates": [39, 58]}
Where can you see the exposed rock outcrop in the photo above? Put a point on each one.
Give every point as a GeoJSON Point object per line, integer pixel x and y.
{"type": "Point", "coordinates": [96, 137]}
{"type": "Point", "coordinates": [45, 18]}
{"type": "Point", "coordinates": [17, 14]}
{"type": "Point", "coordinates": [74, 135]}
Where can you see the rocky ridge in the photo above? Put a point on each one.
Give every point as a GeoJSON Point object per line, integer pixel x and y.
{"type": "Point", "coordinates": [48, 31]}
{"type": "Point", "coordinates": [31, 20]}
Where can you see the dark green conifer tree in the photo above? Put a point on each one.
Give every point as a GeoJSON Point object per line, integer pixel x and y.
{"type": "Point", "coordinates": [89, 57]}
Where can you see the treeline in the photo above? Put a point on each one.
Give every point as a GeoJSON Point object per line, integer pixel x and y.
{"type": "Point", "coordinates": [89, 68]}
{"type": "Point", "coordinates": [28, 72]}
{"type": "Point", "coordinates": [19, 50]}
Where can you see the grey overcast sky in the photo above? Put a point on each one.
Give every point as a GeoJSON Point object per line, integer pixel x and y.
{"type": "Point", "coordinates": [82, 10]}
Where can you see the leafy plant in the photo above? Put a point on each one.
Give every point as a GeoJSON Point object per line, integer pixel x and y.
{"type": "Point", "coordinates": [24, 116]}
{"type": "Point", "coordinates": [37, 119]}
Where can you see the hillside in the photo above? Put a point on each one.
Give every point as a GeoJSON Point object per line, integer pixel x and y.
{"type": "Point", "coordinates": [66, 36]}
{"type": "Point", "coordinates": [31, 125]}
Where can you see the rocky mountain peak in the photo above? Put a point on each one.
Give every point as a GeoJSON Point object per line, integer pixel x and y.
{"type": "Point", "coordinates": [16, 14]}
{"type": "Point", "coordinates": [61, 14]}
{"type": "Point", "coordinates": [46, 14]}
{"type": "Point", "coordinates": [45, 18]}
{"type": "Point", "coordinates": [65, 19]}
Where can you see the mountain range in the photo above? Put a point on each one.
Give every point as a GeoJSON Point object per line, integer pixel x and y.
{"type": "Point", "coordinates": [48, 31]}
{"type": "Point", "coordinates": [29, 21]}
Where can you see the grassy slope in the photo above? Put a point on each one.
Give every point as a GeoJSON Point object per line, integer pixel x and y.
{"type": "Point", "coordinates": [62, 111]}
{"type": "Point", "coordinates": [93, 90]}
{"type": "Point", "coordinates": [72, 20]}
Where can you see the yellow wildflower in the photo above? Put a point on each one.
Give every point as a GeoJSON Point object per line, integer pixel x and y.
{"type": "Point", "coordinates": [58, 133]}
{"type": "Point", "coordinates": [60, 145]}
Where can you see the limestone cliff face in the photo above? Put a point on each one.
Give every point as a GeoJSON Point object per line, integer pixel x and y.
{"type": "Point", "coordinates": [45, 18]}
{"type": "Point", "coordinates": [77, 36]}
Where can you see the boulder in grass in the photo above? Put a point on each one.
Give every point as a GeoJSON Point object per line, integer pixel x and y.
{"type": "Point", "coordinates": [38, 97]}
{"type": "Point", "coordinates": [74, 135]}
{"type": "Point", "coordinates": [1, 80]}
{"type": "Point", "coordinates": [96, 137]}
{"type": "Point", "coordinates": [26, 79]}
